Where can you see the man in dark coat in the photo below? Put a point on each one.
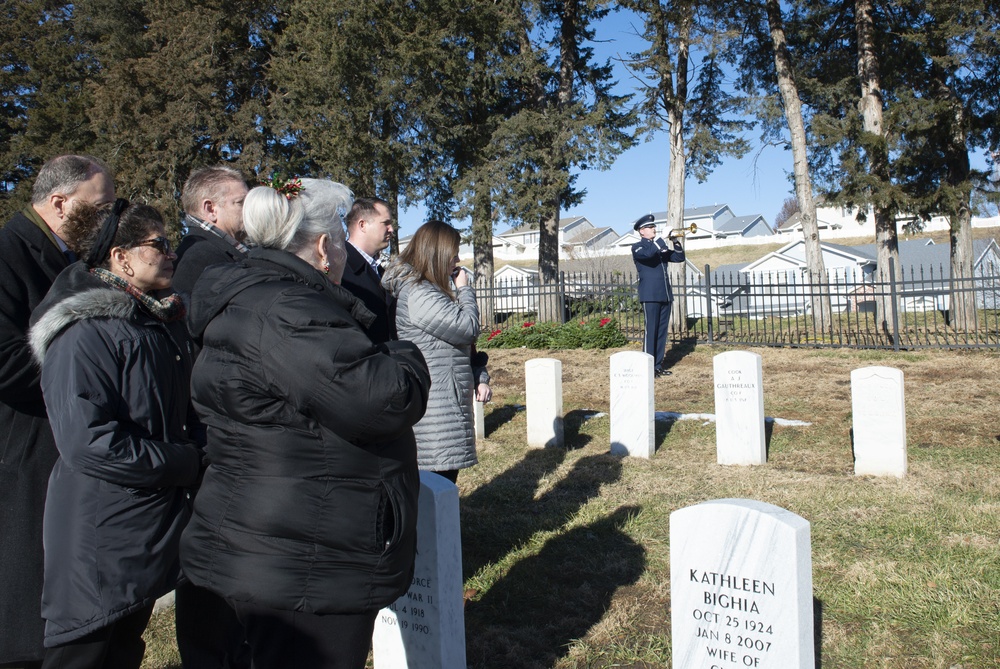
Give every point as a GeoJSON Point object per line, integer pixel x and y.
{"type": "Point", "coordinates": [212, 198]}
{"type": "Point", "coordinates": [369, 229]}
{"type": "Point", "coordinates": [31, 256]}
{"type": "Point", "coordinates": [209, 636]}
{"type": "Point", "coordinates": [651, 255]}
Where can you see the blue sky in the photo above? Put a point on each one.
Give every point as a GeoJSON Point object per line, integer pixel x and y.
{"type": "Point", "coordinates": [637, 182]}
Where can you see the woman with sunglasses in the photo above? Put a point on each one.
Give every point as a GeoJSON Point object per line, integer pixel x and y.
{"type": "Point", "coordinates": [116, 367]}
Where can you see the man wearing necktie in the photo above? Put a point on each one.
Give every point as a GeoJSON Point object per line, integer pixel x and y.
{"type": "Point", "coordinates": [651, 255]}
{"type": "Point", "coordinates": [32, 254]}
{"type": "Point", "coordinates": [369, 230]}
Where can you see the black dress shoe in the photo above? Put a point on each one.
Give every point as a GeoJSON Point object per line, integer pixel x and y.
{"type": "Point", "coordinates": [662, 372]}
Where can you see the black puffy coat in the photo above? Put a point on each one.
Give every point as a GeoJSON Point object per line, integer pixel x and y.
{"type": "Point", "coordinates": [116, 383]}
{"type": "Point", "coordinates": [309, 501]}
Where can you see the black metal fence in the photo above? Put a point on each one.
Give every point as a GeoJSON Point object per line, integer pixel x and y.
{"type": "Point", "coordinates": [776, 309]}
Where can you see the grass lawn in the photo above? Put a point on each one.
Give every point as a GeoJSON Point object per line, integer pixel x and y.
{"type": "Point", "coordinates": [568, 549]}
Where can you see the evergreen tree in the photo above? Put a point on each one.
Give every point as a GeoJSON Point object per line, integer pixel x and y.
{"type": "Point", "coordinates": [701, 126]}
{"type": "Point", "coordinates": [180, 86]}
{"type": "Point", "coordinates": [42, 97]}
{"type": "Point", "coordinates": [570, 119]}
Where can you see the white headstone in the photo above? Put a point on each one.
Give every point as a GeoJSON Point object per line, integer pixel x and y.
{"type": "Point", "coordinates": [879, 412]}
{"type": "Point", "coordinates": [740, 587]}
{"type": "Point", "coordinates": [633, 417]}
{"type": "Point", "coordinates": [479, 413]}
{"type": "Point", "coordinates": [739, 409]}
{"type": "Point", "coordinates": [543, 395]}
{"type": "Point", "coordinates": [426, 627]}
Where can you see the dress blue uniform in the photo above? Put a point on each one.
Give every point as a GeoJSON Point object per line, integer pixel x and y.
{"type": "Point", "coordinates": [651, 257]}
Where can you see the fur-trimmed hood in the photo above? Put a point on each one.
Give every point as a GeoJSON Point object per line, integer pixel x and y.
{"type": "Point", "coordinates": [76, 295]}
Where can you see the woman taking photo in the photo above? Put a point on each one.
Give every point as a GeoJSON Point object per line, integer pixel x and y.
{"type": "Point", "coordinates": [116, 363]}
{"type": "Point", "coordinates": [306, 519]}
{"type": "Point", "coordinates": [436, 309]}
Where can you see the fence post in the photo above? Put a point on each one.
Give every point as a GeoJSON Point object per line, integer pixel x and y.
{"type": "Point", "coordinates": [708, 300]}
{"type": "Point", "coordinates": [895, 305]}
{"type": "Point", "coordinates": [562, 298]}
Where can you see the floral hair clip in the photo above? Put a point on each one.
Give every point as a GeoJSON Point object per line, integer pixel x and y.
{"type": "Point", "coordinates": [289, 188]}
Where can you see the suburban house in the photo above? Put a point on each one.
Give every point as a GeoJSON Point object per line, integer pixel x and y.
{"type": "Point", "coordinates": [714, 224]}
{"type": "Point", "coordinates": [516, 289]}
{"type": "Point", "coordinates": [777, 284]}
{"type": "Point", "coordinates": [578, 237]}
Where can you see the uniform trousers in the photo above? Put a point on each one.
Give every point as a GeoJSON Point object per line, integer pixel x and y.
{"type": "Point", "coordinates": [654, 341]}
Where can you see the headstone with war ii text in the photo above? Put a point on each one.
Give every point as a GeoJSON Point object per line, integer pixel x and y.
{"type": "Point", "coordinates": [425, 627]}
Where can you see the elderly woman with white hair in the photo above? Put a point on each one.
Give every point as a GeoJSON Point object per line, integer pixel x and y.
{"type": "Point", "coordinates": [306, 519]}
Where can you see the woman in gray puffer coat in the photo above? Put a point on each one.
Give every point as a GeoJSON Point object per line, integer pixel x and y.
{"type": "Point", "coordinates": [436, 310]}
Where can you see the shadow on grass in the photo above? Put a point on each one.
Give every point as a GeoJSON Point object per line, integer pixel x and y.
{"type": "Point", "coordinates": [674, 354]}
{"type": "Point", "coordinates": [503, 514]}
{"type": "Point", "coordinates": [572, 422]}
{"type": "Point", "coordinates": [530, 616]}
{"type": "Point", "coordinates": [818, 632]}
{"type": "Point", "coordinates": [499, 415]}
{"type": "Point", "coordinates": [661, 428]}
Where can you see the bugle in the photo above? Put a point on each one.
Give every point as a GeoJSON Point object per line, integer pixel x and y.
{"type": "Point", "coordinates": [680, 232]}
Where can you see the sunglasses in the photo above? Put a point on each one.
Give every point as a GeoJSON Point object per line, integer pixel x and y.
{"type": "Point", "coordinates": [161, 244]}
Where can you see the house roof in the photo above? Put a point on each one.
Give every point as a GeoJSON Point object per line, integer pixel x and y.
{"type": "Point", "coordinates": [585, 236]}
{"type": "Point", "coordinates": [529, 227]}
{"type": "Point", "coordinates": [917, 254]}
{"type": "Point", "coordinates": [739, 223]}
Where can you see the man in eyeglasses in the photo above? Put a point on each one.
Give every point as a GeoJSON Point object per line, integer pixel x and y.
{"type": "Point", "coordinates": [32, 254]}
{"type": "Point", "coordinates": [212, 198]}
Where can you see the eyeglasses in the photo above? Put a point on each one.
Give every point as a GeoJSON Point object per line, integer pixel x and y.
{"type": "Point", "coordinates": [161, 244]}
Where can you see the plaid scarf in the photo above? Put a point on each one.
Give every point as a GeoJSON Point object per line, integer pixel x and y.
{"type": "Point", "coordinates": [190, 220]}
{"type": "Point", "coordinates": [170, 308]}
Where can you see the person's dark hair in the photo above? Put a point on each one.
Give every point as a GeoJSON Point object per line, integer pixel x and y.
{"type": "Point", "coordinates": [64, 174]}
{"type": "Point", "coordinates": [363, 207]}
{"type": "Point", "coordinates": [430, 252]}
{"type": "Point", "coordinates": [84, 223]}
{"type": "Point", "coordinates": [207, 183]}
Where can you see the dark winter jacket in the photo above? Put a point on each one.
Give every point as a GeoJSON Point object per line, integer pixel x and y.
{"type": "Point", "coordinates": [116, 383]}
{"type": "Point", "coordinates": [310, 498]}
{"type": "Point", "coordinates": [362, 281]}
{"type": "Point", "coordinates": [200, 249]}
{"type": "Point", "coordinates": [29, 263]}
{"type": "Point", "coordinates": [445, 330]}
{"type": "Point", "coordinates": [651, 258]}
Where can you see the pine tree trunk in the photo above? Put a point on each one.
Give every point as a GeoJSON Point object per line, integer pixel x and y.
{"type": "Point", "coordinates": [678, 163]}
{"type": "Point", "coordinates": [870, 105]}
{"type": "Point", "coordinates": [963, 299]}
{"type": "Point", "coordinates": [549, 302]}
{"type": "Point", "coordinates": [482, 250]}
{"type": "Point", "coordinates": [820, 289]}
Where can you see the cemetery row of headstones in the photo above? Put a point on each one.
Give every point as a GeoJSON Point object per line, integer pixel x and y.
{"type": "Point", "coordinates": [879, 419]}
{"type": "Point", "coordinates": [741, 570]}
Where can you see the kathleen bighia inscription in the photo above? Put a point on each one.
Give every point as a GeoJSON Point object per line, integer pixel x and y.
{"type": "Point", "coordinates": [732, 631]}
